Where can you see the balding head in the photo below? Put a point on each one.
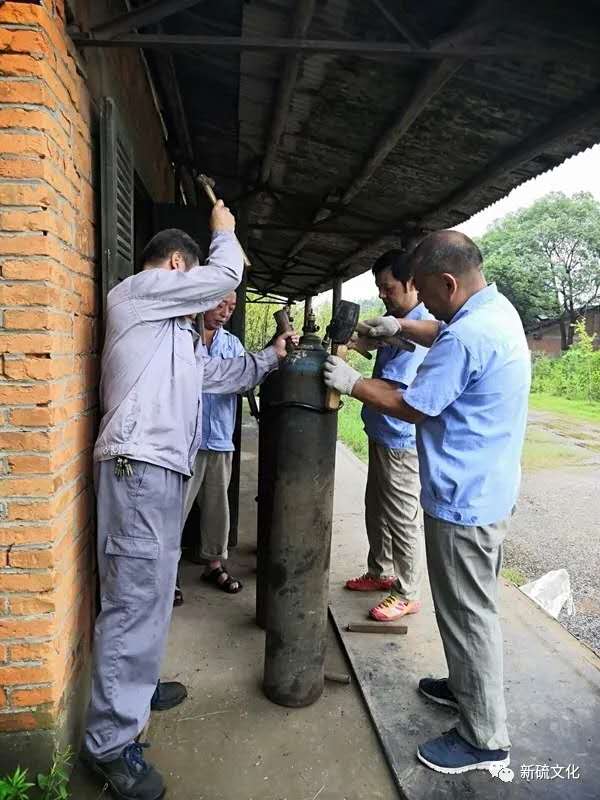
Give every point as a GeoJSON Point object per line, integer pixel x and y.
{"type": "Point", "coordinates": [447, 251]}
{"type": "Point", "coordinates": [447, 266]}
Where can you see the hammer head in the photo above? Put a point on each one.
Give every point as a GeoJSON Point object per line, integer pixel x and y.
{"type": "Point", "coordinates": [343, 322]}
{"type": "Point", "coordinates": [206, 180]}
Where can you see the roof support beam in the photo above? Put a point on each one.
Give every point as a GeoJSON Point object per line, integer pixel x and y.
{"type": "Point", "coordinates": [577, 117]}
{"type": "Point", "coordinates": [302, 16]}
{"type": "Point", "coordinates": [163, 41]}
{"type": "Point", "coordinates": [428, 85]}
{"type": "Point", "coordinates": [403, 26]}
{"type": "Point", "coordinates": [149, 14]}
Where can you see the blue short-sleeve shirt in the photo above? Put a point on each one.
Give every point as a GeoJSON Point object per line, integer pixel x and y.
{"type": "Point", "coordinates": [218, 410]}
{"type": "Point", "coordinates": [473, 385]}
{"type": "Point", "coordinates": [400, 366]}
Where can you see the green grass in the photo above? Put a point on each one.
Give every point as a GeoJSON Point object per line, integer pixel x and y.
{"type": "Point", "coordinates": [580, 409]}
{"type": "Point", "coordinates": [514, 576]}
{"type": "Point", "coordinates": [542, 450]}
{"type": "Point", "coordinates": [350, 427]}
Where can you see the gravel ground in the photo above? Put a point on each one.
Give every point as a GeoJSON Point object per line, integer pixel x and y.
{"type": "Point", "coordinates": [557, 522]}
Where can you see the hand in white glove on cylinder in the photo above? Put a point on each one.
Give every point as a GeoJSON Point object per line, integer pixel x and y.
{"type": "Point", "coordinates": [340, 376]}
{"type": "Point", "coordinates": [383, 326]}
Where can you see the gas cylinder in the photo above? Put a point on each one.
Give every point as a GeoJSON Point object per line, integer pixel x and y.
{"type": "Point", "coordinates": [295, 508]}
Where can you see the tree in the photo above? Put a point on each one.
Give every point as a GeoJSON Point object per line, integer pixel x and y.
{"type": "Point", "coordinates": [546, 258]}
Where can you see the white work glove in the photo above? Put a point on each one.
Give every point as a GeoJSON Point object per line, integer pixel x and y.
{"type": "Point", "coordinates": [339, 376]}
{"type": "Point", "coordinates": [383, 326]}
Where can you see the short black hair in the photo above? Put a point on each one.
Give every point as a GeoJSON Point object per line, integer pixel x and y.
{"type": "Point", "coordinates": [448, 251]}
{"type": "Point", "coordinates": [398, 262]}
{"type": "Point", "coordinates": [167, 242]}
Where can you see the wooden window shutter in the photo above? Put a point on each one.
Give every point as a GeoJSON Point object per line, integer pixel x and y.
{"type": "Point", "coordinates": [117, 199]}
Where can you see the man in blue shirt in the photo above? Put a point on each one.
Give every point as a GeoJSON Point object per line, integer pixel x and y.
{"type": "Point", "coordinates": [469, 403]}
{"type": "Point", "coordinates": [212, 469]}
{"type": "Point", "coordinates": [395, 559]}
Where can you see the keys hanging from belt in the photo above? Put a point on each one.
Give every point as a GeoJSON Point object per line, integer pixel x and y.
{"type": "Point", "coordinates": [123, 468]}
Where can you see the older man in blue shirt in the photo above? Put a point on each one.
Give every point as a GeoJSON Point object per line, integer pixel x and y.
{"type": "Point", "coordinates": [469, 402]}
{"type": "Point", "coordinates": [392, 518]}
{"type": "Point", "coordinates": [212, 469]}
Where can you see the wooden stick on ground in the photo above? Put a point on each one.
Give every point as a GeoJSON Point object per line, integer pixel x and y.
{"type": "Point", "coordinates": [376, 627]}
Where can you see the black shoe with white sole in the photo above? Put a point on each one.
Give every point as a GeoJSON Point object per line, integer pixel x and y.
{"type": "Point", "coordinates": [128, 776]}
{"type": "Point", "coordinates": [452, 755]}
{"type": "Point", "coordinates": [437, 689]}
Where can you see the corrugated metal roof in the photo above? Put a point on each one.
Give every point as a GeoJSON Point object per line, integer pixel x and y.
{"type": "Point", "coordinates": [341, 105]}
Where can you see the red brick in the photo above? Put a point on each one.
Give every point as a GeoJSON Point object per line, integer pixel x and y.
{"type": "Point", "coordinates": [29, 343]}
{"type": "Point", "coordinates": [31, 559]}
{"type": "Point", "coordinates": [26, 440]}
{"type": "Point", "coordinates": [26, 606]}
{"type": "Point", "coordinates": [19, 194]}
{"type": "Point", "coordinates": [33, 417]}
{"type": "Point", "coordinates": [33, 651]}
{"type": "Point", "coordinates": [15, 628]}
{"type": "Point", "coordinates": [21, 13]}
{"type": "Point", "coordinates": [25, 720]}
{"type": "Point", "coordinates": [31, 697]}
{"type": "Point", "coordinates": [3, 653]}
{"type": "Point", "coordinates": [26, 534]}
{"type": "Point", "coordinates": [27, 582]}
{"type": "Point", "coordinates": [32, 512]}
{"type": "Point", "coordinates": [23, 41]}
{"type": "Point", "coordinates": [18, 676]}
{"type": "Point", "coordinates": [27, 464]}
{"type": "Point", "coordinates": [14, 394]}
{"type": "Point", "coordinates": [27, 320]}
{"type": "Point", "coordinates": [24, 144]}
{"type": "Point", "coordinates": [26, 294]}
{"type": "Point", "coordinates": [2, 698]}
{"type": "Point", "coordinates": [26, 487]}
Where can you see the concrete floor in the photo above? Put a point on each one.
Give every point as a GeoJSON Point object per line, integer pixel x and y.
{"type": "Point", "coordinates": [228, 742]}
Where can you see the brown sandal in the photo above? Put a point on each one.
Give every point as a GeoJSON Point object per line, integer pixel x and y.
{"type": "Point", "coordinates": [229, 585]}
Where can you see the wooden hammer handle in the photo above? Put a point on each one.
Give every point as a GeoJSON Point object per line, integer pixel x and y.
{"type": "Point", "coordinates": [213, 199]}
{"type": "Point", "coordinates": [332, 398]}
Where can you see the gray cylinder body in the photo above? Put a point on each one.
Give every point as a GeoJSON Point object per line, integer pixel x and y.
{"type": "Point", "coordinates": [303, 442]}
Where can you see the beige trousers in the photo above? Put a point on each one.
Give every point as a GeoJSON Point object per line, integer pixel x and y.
{"type": "Point", "coordinates": [208, 487]}
{"type": "Point", "coordinates": [393, 520]}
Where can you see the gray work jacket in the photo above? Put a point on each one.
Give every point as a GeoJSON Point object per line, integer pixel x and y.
{"type": "Point", "coordinates": [153, 364]}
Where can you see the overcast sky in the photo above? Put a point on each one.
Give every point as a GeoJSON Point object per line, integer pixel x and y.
{"type": "Point", "coordinates": [578, 174]}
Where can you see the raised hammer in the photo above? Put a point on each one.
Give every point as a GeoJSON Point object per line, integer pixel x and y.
{"type": "Point", "coordinates": [208, 185]}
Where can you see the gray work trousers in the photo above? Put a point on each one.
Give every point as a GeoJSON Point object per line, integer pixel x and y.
{"type": "Point", "coordinates": [208, 487]}
{"type": "Point", "coordinates": [139, 535]}
{"type": "Point", "coordinates": [464, 563]}
{"type": "Point", "coordinates": [393, 520]}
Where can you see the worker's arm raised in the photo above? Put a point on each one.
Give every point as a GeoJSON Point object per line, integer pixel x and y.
{"type": "Point", "coordinates": [161, 293]}
{"type": "Point", "coordinates": [420, 331]}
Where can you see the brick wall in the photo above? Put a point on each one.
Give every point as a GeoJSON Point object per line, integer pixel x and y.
{"type": "Point", "coordinates": [49, 344]}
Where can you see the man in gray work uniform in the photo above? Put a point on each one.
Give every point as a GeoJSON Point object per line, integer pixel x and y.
{"type": "Point", "coordinates": [151, 397]}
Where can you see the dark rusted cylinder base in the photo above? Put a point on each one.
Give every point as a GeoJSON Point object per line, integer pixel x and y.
{"type": "Point", "coordinates": [266, 471]}
{"type": "Point", "coordinates": [304, 444]}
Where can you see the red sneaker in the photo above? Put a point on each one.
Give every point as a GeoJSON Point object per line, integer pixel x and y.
{"type": "Point", "coordinates": [394, 607]}
{"type": "Point", "coordinates": [367, 583]}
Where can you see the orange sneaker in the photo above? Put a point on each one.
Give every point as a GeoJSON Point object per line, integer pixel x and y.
{"type": "Point", "coordinates": [367, 583]}
{"type": "Point", "coordinates": [394, 607]}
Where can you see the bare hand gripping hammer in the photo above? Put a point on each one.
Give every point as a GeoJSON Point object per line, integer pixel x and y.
{"type": "Point", "coordinates": [208, 185]}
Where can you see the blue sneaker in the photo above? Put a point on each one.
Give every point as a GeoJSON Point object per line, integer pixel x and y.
{"type": "Point", "coordinates": [436, 689]}
{"type": "Point", "coordinates": [450, 753]}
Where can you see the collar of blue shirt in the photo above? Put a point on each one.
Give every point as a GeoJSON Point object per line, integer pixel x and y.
{"type": "Point", "coordinates": [476, 300]}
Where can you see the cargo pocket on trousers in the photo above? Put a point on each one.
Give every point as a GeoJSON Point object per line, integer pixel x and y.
{"type": "Point", "coordinates": [131, 569]}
